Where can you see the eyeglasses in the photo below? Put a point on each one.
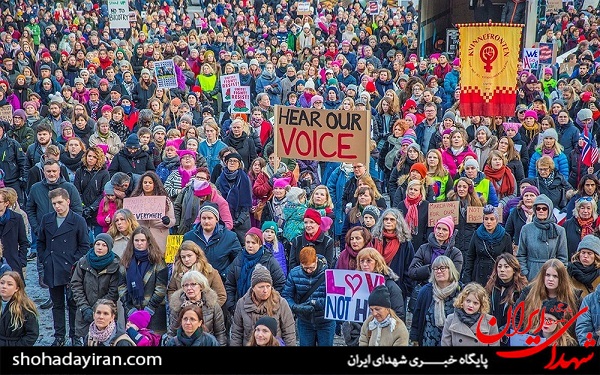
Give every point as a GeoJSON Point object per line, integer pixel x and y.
{"type": "Point", "coordinates": [439, 269]}
{"type": "Point", "coordinates": [541, 208]}
{"type": "Point", "coordinates": [190, 285]}
{"type": "Point", "coordinates": [309, 269]}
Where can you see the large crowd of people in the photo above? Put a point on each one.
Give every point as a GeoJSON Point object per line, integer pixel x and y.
{"type": "Point", "coordinates": [85, 125]}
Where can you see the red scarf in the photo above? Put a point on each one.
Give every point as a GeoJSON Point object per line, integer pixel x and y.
{"type": "Point", "coordinates": [587, 226]}
{"type": "Point", "coordinates": [313, 238]}
{"type": "Point", "coordinates": [392, 245]}
{"type": "Point", "coordinates": [507, 186]}
{"type": "Point", "coordinates": [412, 214]}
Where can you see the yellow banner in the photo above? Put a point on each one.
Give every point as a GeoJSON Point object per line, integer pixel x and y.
{"type": "Point", "coordinates": [488, 68]}
{"type": "Point", "coordinates": [173, 243]}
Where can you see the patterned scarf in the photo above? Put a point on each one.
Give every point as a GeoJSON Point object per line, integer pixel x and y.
{"type": "Point", "coordinates": [376, 326]}
{"type": "Point", "coordinates": [587, 226]}
{"type": "Point", "coordinates": [439, 298]}
{"type": "Point", "coordinates": [97, 335]}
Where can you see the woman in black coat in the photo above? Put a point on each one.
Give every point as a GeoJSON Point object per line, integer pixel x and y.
{"type": "Point", "coordinates": [465, 194]}
{"type": "Point", "coordinates": [12, 293]}
{"type": "Point", "coordinates": [522, 214]}
{"type": "Point", "coordinates": [244, 144]}
{"type": "Point", "coordinates": [90, 179]}
{"type": "Point", "coordinates": [13, 234]}
{"type": "Point", "coordinates": [412, 205]}
{"type": "Point", "coordinates": [583, 222]}
{"type": "Point", "coordinates": [489, 241]}
{"type": "Point", "coordinates": [132, 159]}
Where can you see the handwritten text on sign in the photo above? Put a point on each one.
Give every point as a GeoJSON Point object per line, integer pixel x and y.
{"type": "Point", "coordinates": [326, 135]}
{"type": "Point", "coordinates": [227, 82]}
{"type": "Point", "coordinates": [474, 215]}
{"type": "Point", "coordinates": [442, 209]}
{"type": "Point", "coordinates": [146, 208]}
{"type": "Point", "coordinates": [240, 100]}
{"type": "Point", "coordinates": [118, 14]}
{"type": "Point", "coordinates": [348, 294]}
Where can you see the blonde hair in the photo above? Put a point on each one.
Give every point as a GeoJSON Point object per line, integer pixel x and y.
{"type": "Point", "coordinates": [480, 293]}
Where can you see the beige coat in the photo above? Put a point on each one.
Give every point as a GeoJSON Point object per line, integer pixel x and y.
{"type": "Point", "coordinates": [390, 336]}
{"type": "Point", "coordinates": [159, 230]}
{"type": "Point", "coordinates": [456, 333]}
{"type": "Point", "coordinates": [214, 281]}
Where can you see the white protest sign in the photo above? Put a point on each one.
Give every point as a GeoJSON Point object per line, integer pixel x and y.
{"type": "Point", "coordinates": [240, 100]}
{"type": "Point", "coordinates": [348, 294]}
{"type": "Point", "coordinates": [227, 82]}
{"type": "Point", "coordinates": [118, 14]}
{"type": "Point", "coordinates": [164, 71]}
{"type": "Point", "coordinates": [531, 58]}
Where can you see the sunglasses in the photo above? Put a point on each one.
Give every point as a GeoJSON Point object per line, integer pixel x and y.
{"type": "Point", "coordinates": [541, 208]}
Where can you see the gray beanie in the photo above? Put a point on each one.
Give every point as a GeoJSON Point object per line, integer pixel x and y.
{"type": "Point", "coordinates": [590, 242]}
{"type": "Point", "coordinates": [550, 133]}
{"type": "Point", "coordinates": [543, 199]}
{"type": "Point", "coordinates": [260, 274]}
{"type": "Point", "coordinates": [415, 146]}
{"type": "Point", "coordinates": [373, 211]}
{"type": "Point", "coordinates": [584, 114]}
{"type": "Point", "coordinates": [294, 194]}
{"type": "Point", "coordinates": [451, 116]}
{"type": "Point", "coordinates": [209, 207]}
{"type": "Point", "coordinates": [106, 238]}
{"type": "Point", "coordinates": [487, 130]}
{"type": "Point", "coordinates": [109, 188]}
{"type": "Point", "coordinates": [472, 163]}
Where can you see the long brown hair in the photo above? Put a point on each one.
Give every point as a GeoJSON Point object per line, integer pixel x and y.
{"type": "Point", "coordinates": [519, 280]}
{"type": "Point", "coordinates": [202, 265]}
{"type": "Point", "coordinates": [154, 252]}
{"type": "Point", "coordinates": [20, 302]}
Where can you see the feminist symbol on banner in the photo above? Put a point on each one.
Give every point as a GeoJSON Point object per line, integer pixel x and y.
{"type": "Point", "coordinates": [488, 54]}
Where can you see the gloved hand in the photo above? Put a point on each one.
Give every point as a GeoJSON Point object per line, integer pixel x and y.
{"type": "Point", "coordinates": [87, 314]}
{"type": "Point", "coordinates": [166, 220]}
{"type": "Point", "coordinates": [87, 212]}
{"type": "Point", "coordinates": [304, 310]}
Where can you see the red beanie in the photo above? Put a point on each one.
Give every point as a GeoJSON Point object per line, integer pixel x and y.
{"type": "Point", "coordinates": [421, 168]}
{"type": "Point", "coordinates": [370, 87]}
{"type": "Point", "coordinates": [313, 214]}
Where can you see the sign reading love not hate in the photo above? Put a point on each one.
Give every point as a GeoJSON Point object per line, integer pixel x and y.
{"type": "Point", "coordinates": [321, 134]}
{"type": "Point", "coordinates": [146, 208]}
{"type": "Point", "coordinates": [348, 294]}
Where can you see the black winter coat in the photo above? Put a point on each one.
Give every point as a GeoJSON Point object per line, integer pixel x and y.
{"type": "Point", "coordinates": [481, 256]}
{"type": "Point", "coordinates": [515, 222]}
{"type": "Point", "coordinates": [60, 247]}
{"type": "Point", "coordinates": [323, 245]}
{"type": "Point", "coordinates": [14, 238]}
{"type": "Point", "coordinates": [26, 335]}
{"type": "Point", "coordinates": [136, 163]}
{"type": "Point", "coordinates": [90, 185]}
{"type": "Point", "coordinates": [422, 231]}
{"type": "Point", "coordinates": [420, 267]}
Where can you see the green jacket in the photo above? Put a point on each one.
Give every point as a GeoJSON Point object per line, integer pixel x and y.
{"type": "Point", "coordinates": [36, 32]}
{"type": "Point", "coordinates": [25, 136]}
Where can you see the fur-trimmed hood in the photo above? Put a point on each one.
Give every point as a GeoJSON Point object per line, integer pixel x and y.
{"type": "Point", "coordinates": [209, 299]}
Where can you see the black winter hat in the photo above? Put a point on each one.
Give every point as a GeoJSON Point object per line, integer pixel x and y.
{"type": "Point", "coordinates": [269, 322]}
{"type": "Point", "coordinates": [380, 296]}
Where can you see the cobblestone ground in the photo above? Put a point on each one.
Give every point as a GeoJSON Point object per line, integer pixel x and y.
{"type": "Point", "coordinates": [39, 296]}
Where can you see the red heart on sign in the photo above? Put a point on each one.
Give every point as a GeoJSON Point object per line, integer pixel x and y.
{"type": "Point", "coordinates": [354, 282]}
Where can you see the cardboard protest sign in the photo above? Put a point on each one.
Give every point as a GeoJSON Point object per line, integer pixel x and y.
{"type": "Point", "coordinates": [146, 208]}
{"type": "Point", "coordinates": [442, 209]}
{"type": "Point", "coordinates": [319, 134]}
{"type": "Point", "coordinates": [118, 14]}
{"type": "Point", "coordinates": [474, 215]}
{"type": "Point", "coordinates": [227, 82]}
{"type": "Point", "coordinates": [304, 8]}
{"type": "Point", "coordinates": [173, 243]}
{"type": "Point", "coordinates": [164, 71]}
{"type": "Point", "coordinates": [554, 6]}
{"type": "Point", "coordinates": [348, 293]}
{"type": "Point", "coordinates": [240, 100]}
{"type": "Point", "coordinates": [6, 113]}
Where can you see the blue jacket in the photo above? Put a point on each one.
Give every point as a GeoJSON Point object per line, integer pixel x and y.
{"type": "Point", "coordinates": [589, 321]}
{"type": "Point", "coordinates": [274, 92]}
{"type": "Point", "coordinates": [220, 249]}
{"type": "Point", "coordinates": [298, 283]}
{"type": "Point", "coordinates": [450, 83]}
{"type": "Point", "coordinates": [560, 161]}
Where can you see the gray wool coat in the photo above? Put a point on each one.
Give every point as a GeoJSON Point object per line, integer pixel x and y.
{"type": "Point", "coordinates": [533, 253]}
{"type": "Point", "coordinates": [457, 333]}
